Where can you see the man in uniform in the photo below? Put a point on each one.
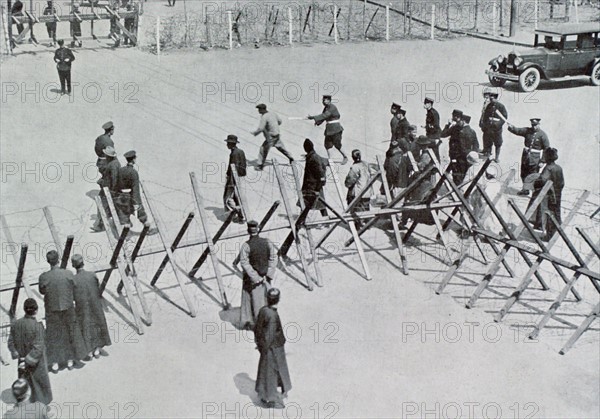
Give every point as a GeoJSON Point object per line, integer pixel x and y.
{"type": "Point", "coordinates": [75, 26]}
{"type": "Point", "coordinates": [468, 135]}
{"type": "Point", "coordinates": [25, 408]}
{"type": "Point", "coordinates": [396, 167]}
{"type": "Point", "coordinates": [27, 343]}
{"type": "Point", "coordinates": [51, 26]}
{"type": "Point", "coordinates": [102, 142]}
{"type": "Point", "coordinates": [458, 157]}
{"type": "Point", "coordinates": [17, 11]}
{"type": "Point", "coordinates": [269, 126]}
{"type": "Point", "coordinates": [432, 125]}
{"type": "Point", "coordinates": [535, 142]}
{"type": "Point", "coordinates": [258, 259]}
{"type": "Point", "coordinates": [63, 57]}
{"type": "Point", "coordinates": [333, 128]}
{"type": "Point", "coordinates": [89, 310]}
{"type": "Point", "coordinates": [65, 343]}
{"type": "Point", "coordinates": [491, 124]}
{"type": "Point", "coordinates": [272, 367]}
{"type": "Point", "coordinates": [129, 22]}
{"type": "Point", "coordinates": [403, 128]}
{"type": "Point", "coordinates": [315, 176]}
{"type": "Point", "coordinates": [553, 172]}
{"type": "Point", "coordinates": [238, 158]}
{"type": "Point", "coordinates": [356, 180]}
{"type": "Point", "coordinates": [129, 197]}
{"type": "Point", "coordinates": [395, 108]}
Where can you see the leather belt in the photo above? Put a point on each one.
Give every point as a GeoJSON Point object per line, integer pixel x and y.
{"type": "Point", "coordinates": [332, 122]}
{"type": "Point", "coordinates": [126, 190]}
{"type": "Point", "coordinates": [532, 150]}
{"type": "Point", "coordinates": [102, 158]}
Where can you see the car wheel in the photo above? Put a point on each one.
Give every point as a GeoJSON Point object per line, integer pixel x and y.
{"type": "Point", "coordinates": [595, 75]}
{"type": "Point", "coordinates": [529, 79]}
{"type": "Point", "coordinates": [495, 81]}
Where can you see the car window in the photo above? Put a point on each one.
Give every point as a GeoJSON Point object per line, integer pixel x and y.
{"type": "Point", "coordinates": [586, 40]}
{"type": "Point", "coordinates": [552, 42]}
{"type": "Point", "coordinates": [570, 42]}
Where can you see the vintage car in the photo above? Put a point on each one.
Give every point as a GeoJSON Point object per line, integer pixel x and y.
{"type": "Point", "coordinates": [559, 51]}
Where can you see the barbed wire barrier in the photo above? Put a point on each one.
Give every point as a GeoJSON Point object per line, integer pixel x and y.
{"type": "Point", "coordinates": [285, 23]}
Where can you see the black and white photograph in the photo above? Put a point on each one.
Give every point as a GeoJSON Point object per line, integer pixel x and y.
{"type": "Point", "coordinates": [308, 209]}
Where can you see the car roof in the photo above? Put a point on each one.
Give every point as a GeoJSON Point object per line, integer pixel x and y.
{"type": "Point", "coordinates": [569, 28]}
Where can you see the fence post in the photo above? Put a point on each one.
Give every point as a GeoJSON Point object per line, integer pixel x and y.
{"type": "Point", "coordinates": [290, 27]}
{"type": "Point", "coordinates": [387, 23]}
{"type": "Point", "coordinates": [433, 21]}
{"type": "Point", "coordinates": [364, 18]}
{"type": "Point", "coordinates": [448, 16]}
{"type": "Point", "coordinates": [513, 17]}
{"type": "Point", "coordinates": [535, 13]}
{"type": "Point", "coordinates": [158, 37]}
{"type": "Point", "coordinates": [476, 7]}
{"type": "Point", "coordinates": [230, 26]}
{"type": "Point", "coordinates": [576, 12]}
{"type": "Point", "coordinates": [335, 32]}
{"type": "Point", "coordinates": [494, 17]}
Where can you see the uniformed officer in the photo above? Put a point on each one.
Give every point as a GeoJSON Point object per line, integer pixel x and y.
{"type": "Point", "coordinates": [491, 124]}
{"type": "Point", "coordinates": [468, 135]}
{"type": "Point", "coordinates": [63, 57]}
{"type": "Point", "coordinates": [237, 157]}
{"type": "Point", "coordinates": [129, 22]}
{"type": "Point", "coordinates": [50, 10]}
{"type": "Point", "coordinates": [535, 143]}
{"type": "Point", "coordinates": [75, 26]}
{"type": "Point", "coordinates": [102, 142]}
{"type": "Point", "coordinates": [258, 258]}
{"type": "Point", "coordinates": [432, 126]}
{"type": "Point", "coordinates": [110, 175]}
{"type": "Point", "coordinates": [553, 172]}
{"type": "Point", "coordinates": [129, 197]}
{"type": "Point", "coordinates": [395, 119]}
{"type": "Point", "coordinates": [458, 157]}
{"type": "Point", "coordinates": [333, 128]}
{"type": "Point", "coordinates": [403, 128]}
{"type": "Point", "coordinates": [315, 177]}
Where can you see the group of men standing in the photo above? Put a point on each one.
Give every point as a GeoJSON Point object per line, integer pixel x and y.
{"type": "Point", "coordinates": [75, 331]}
{"type": "Point", "coordinates": [123, 182]}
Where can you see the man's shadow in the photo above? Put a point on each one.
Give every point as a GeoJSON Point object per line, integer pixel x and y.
{"type": "Point", "coordinates": [245, 386]}
{"type": "Point", "coordinates": [8, 398]}
{"type": "Point", "coordinates": [219, 212]}
{"type": "Point", "coordinates": [92, 194]}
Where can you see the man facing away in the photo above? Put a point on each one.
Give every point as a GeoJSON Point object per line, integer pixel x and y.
{"type": "Point", "coordinates": [258, 258]}
{"type": "Point", "coordinates": [27, 343]}
{"type": "Point", "coordinates": [272, 367]}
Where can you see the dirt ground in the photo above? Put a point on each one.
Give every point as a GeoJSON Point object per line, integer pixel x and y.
{"type": "Point", "coordinates": [385, 348]}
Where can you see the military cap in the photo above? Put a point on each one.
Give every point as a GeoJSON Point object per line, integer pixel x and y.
{"type": "Point", "coordinates": [52, 256]}
{"type": "Point", "coordinates": [466, 118]}
{"type": "Point", "coordinates": [261, 106]}
{"type": "Point", "coordinates": [232, 139]}
{"type": "Point", "coordinates": [110, 151]}
{"type": "Point", "coordinates": [457, 113]}
{"type": "Point", "coordinates": [327, 97]}
{"type": "Point", "coordinates": [108, 125]}
{"type": "Point", "coordinates": [535, 121]}
{"type": "Point", "coordinates": [30, 305]}
{"type": "Point", "coordinates": [396, 106]}
{"type": "Point", "coordinates": [20, 388]}
{"type": "Point", "coordinates": [252, 224]}
{"type": "Point", "coordinates": [428, 100]}
{"type": "Point", "coordinates": [402, 112]}
{"type": "Point", "coordinates": [488, 91]}
{"type": "Point", "coordinates": [130, 154]}
{"type": "Point", "coordinates": [412, 127]}
{"type": "Point", "coordinates": [273, 296]}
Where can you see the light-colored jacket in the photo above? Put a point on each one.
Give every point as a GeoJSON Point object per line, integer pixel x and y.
{"type": "Point", "coordinates": [269, 125]}
{"type": "Point", "coordinates": [357, 179]}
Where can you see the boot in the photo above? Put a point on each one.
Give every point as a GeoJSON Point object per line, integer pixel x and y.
{"type": "Point", "coordinates": [497, 159]}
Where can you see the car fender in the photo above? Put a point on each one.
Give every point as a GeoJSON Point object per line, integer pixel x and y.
{"type": "Point", "coordinates": [592, 64]}
{"type": "Point", "coordinates": [525, 66]}
{"type": "Point", "coordinates": [493, 61]}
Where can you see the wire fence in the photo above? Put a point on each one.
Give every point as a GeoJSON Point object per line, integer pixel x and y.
{"type": "Point", "coordinates": [283, 23]}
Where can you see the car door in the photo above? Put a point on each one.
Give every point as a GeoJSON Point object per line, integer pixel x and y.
{"type": "Point", "coordinates": [553, 45]}
{"type": "Point", "coordinates": [578, 52]}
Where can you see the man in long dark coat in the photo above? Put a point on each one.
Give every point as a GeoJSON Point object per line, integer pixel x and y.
{"type": "Point", "coordinates": [333, 128]}
{"type": "Point", "coordinates": [238, 158]}
{"type": "Point", "coordinates": [458, 157]}
{"type": "Point", "coordinates": [432, 126]}
{"type": "Point", "coordinates": [468, 135]}
{"type": "Point", "coordinates": [535, 143]}
{"type": "Point", "coordinates": [552, 201]}
{"type": "Point", "coordinates": [315, 176]}
{"type": "Point", "coordinates": [258, 258]}
{"type": "Point", "coordinates": [272, 368]}
{"type": "Point", "coordinates": [63, 57]}
{"type": "Point", "coordinates": [395, 108]}
{"type": "Point", "coordinates": [26, 343]}
{"type": "Point", "coordinates": [50, 10]}
{"type": "Point", "coordinates": [89, 310]}
{"type": "Point", "coordinates": [25, 408]}
{"type": "Point", "coordinates": [65, 343]}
